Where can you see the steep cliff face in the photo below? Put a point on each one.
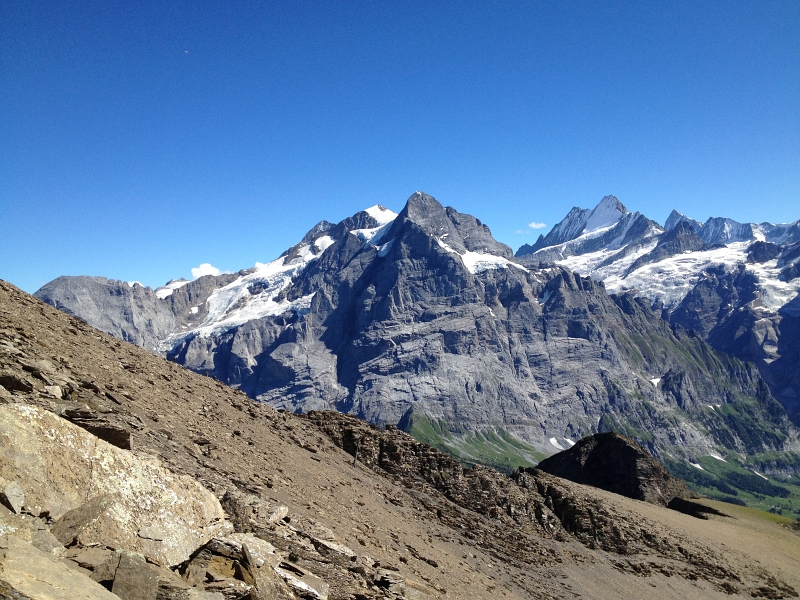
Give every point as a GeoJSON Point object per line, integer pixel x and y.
{"type": "Point", "coordinates": [131, 313]}
{"type": "Point", "coordinates": [724, 307]}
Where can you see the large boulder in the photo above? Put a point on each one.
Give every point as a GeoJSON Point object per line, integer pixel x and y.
{"type": "Point", "coordinates": [99, 493]}
{"type": "Point", "coordinates": [612, 462]}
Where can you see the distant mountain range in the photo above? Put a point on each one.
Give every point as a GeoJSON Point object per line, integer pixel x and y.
{"type": "Point", "coordinates": [735, 284]}
{"type": "Point", "coordinates": [422, 319]}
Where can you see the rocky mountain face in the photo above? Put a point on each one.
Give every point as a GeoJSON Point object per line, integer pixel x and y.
{"type": "Point", "coordinates": [131, 313]}
{"type": "Point", "coordinates": [202, 493]}
{"type": "Point", "coordinates": [734, 284]}
{"type": "Point", "coordinates": [422, 319]}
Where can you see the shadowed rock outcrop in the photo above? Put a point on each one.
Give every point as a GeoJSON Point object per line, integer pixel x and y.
{"type": "Point", "coordinates": [617, 464]}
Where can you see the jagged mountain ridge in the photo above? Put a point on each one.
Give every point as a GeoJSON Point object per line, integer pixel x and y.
{"type": "Point", "coordinates": [424, 319]}
{"type": "Point", "coordinates": [736, 284]}
{"type": "Point", "coordinates": [607, 226]}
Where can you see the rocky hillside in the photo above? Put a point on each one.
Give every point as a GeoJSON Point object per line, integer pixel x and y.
{"type": "Point", "coordinates": [126, 476]}
{"type": "Point", "coordinates": [734, 284]}
{"type": "Point", "coordinates": [422, 319]}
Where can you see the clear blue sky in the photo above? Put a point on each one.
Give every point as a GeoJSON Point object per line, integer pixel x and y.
{"type": "Point", "coordinates": [140, 139]}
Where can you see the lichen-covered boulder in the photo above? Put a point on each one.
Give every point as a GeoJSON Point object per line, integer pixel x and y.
{"type": "Point", "coordinates": [99, 493]}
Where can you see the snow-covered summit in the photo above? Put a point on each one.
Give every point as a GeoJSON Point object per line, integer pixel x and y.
{"type": "Point", "coordinates": [607, 212]}
{"type": "Point", "coordinates": [381, 214]}
{"type": "Point", "coordinates": [585, 220]}
{"type": "Point", "coordinates": [608, 245]}
{"type": "Point", "coordinates": [580, 222]}
{"type": "Point", "coordinates": [675, 217]}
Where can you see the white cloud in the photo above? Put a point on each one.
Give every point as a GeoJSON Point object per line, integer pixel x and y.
{"type": "Point", "coordinates": [536, 225]}
{"type": "Point", "coordinates": [205, 269]}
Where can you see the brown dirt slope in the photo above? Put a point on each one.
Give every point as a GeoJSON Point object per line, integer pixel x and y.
{"type": "Point", "coordinates": [407, 511]}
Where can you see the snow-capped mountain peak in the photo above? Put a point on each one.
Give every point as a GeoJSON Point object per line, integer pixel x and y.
{"type": "Point", "coordinates": [608, 225]}
{"type": "Point", "coordinates": [675, 217]}
{"type": "Point", "coordinates": [664, 265]}
{"type": "Point", "coordinates": [607, 212]}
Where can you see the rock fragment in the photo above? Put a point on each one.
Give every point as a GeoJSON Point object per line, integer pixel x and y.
{"type": "Point", "coordinates": [15, 382]}
{"type": "Point", "coordinates": [248, 512]}
{"type": "Point", "coordinates": [302, 581]}
{"type": "Point", "coordinates": [27, 573]}
{"type": "Point", "coordinates": [134, 579]}
{"type": "Point", "coordinates": [11, 495]}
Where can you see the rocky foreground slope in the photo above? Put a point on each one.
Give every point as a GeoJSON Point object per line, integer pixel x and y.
{"type": "Point", "coordinates": [422, 319]}
{"type": "Point", "coordinates": [99, 440]}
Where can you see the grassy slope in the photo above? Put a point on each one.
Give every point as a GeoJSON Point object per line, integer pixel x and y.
{"type": "Point", "coordinates": [732, 483]}
{"type": "Point", "coordinates": [494, 447]}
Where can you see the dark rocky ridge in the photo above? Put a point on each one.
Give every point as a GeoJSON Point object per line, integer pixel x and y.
{"type": "Point", "coordinates": [617, 464]}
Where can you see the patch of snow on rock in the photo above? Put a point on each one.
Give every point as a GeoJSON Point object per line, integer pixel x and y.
{"type": "Point", "coordinates": [384, 249]}
{"type": "Point", "coordinates": [373, 235]}
{"type": "Point", "coordinates": [555, 443]}
{"type": "Point", "coordinates": [323, 243]}
{"type": "Point", "coordinates": [544, 297]}
{"type": "Point", "coordinates": [477, 262]}
{"type": "Point", "coordinates": [774, 293]}
{"type": "Point", "coordinates": [166, 290]}
{"type": "Point", "coordinates": [381, 214]}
